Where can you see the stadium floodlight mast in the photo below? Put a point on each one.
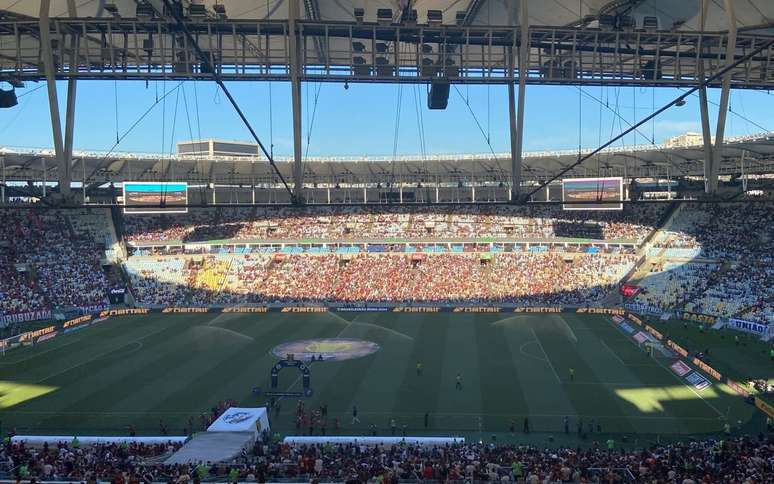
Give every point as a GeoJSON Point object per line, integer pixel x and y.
{"type": "Point", "coordinates": [680, 99]}
{"type": "Point", "coordinates": [207, 65]}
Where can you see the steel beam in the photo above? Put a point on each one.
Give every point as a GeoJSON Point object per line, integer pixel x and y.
{"type": "Point", "coordinates": [295, 89]}
{"type": "Point", "coordinates": [516, 151]}
{"type": "Point", "coordinates": [63, 170]}
{"type": "Point", "coordinates": [725, 93]}
{"type": "Point", "coordinates": [599, 57]}
{"type": "Point", "coordinates": [70, 110]}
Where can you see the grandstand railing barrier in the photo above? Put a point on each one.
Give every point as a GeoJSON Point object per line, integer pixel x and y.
{"type": "Point", "coordinates": [371, 440]}
{"type": "Point", "coordinates": [97, 439]}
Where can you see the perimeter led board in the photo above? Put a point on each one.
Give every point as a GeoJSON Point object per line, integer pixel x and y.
{"type": "Point", "coordinates": [592, 193]}
{"type": "Point", "coordinates": [155, 197]}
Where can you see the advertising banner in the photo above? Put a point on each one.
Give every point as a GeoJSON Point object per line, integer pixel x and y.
{"type": "Point", "coordinates": [643, 308]}
{"type": "Point", "coordinates": [699, 318]}
{"type": "Point", "coordinates": [538, 310]}
{"type": "Point", "coordinates": [749, 326]}
{"type": "Point", "coordinates": [697, 381]}
{"type": "Point", "coordinates": [707, 369]}
{"type": "Point", "coordinates": [677, 348]}
{"type": "Point", "coordinates": [630, 290]}
{"type": "Point", "coordinates": [765, 407]}
{"type": "Point", "coordinates": [738, 388]}
{"type": "Point", "coordinates": [680, 368]}
{"type": "Point", "coordinates": [10, 319]}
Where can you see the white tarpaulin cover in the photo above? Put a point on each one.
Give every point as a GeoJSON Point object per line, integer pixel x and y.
{"type": "Point", "coordinates": [212, 447]}
{"type": "Point", "coordinates": [352, 439]}
{"type": "Point", "coordinates": [237, 419]}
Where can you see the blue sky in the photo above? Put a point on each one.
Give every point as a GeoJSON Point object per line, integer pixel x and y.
{"type": "Point", "coordinates": [361, 120]}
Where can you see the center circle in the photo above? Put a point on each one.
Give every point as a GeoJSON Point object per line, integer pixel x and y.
{"type": "Point", "coordinates": [336, 349]}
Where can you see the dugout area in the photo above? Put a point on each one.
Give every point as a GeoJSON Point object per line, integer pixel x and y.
{"type": "Point", "coordinates": [141, 370]}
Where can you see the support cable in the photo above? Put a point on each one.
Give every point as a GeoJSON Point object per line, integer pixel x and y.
{"type": "Point", "coordinates": [478, 124]}
{"type": "Point", "coordinates": [720, 73]}
{"type": "Point", "coordinates": [310, 120]}
{"type": "Point", "coordinates": [207, 66]}
{"type": "Point", "coordinates": [134, 125]}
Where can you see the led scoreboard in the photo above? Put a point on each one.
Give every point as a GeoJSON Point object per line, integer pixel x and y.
{"type": "Point", "coordinates": [155, 197]}
{"type": "Point", "coordinates": [592, 193]}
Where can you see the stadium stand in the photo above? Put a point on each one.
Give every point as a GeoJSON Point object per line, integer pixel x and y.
{"type": "Point", "coordinates": [703, 256]}
{"type": "Point", "coordinates": [734, 460]}
{"type": "Point", "coordinates": [737, 241]}
{"type": "Point", "coordinates": [365, 223]}
{"type": "Point", "coordinates": [52, 259]}
{"type": "Point", "coordinates": [546, 278]}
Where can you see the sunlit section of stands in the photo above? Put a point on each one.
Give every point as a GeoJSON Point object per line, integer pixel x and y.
{"type": "Point", "coordinates": [671, 284]}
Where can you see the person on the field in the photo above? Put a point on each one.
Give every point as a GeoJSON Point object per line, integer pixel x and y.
{"type": "Point", "coordinates": [354, 415]}
{"type": "Point", "coordinates": [419, 368]}
{"type": "Point", "coordinates": [566, 424]}
{"type": "Point", "coordinates": [427, 419]}
{"type": "Point", "coordinates": [526, 425]}
{"type": "Point", "coordinates": [458, 385]}
{"type": "Point", "coordinates": [572, 374]}
{"type": "Point", "coordinates": [393, 426]}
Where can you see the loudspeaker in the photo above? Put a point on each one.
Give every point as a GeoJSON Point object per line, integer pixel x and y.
{"type": "Point", "coordinates": [8, 98]}
{"type": "Point", "coordinates": [438, 98]}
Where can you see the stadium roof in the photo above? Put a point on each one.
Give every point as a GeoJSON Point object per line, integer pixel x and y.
{"type": "Point", "coordinates": [750, 14]}
{"type": "Point", "coordinates": [646, 42]}
{"type": "Point", "coordinates": [634, 161]}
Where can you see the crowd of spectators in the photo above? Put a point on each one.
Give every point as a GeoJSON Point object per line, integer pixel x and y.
{"type": "Point", "coordinates": [633, 223]}
{"type": "Point", "coordinates": [741, 460]}
{"type": "Point", "coordinates": [471, 278]}
{"type": "Point", "coordinates": [739, 238]}
{"type": "Point", "coordinates": [45, 262]}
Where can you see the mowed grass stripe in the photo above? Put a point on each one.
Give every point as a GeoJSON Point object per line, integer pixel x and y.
{"type": "Point", "coordinates": [196, 339]}
{"type": "Point", "coordinates": [588, 401]}
{"type": "Point", "coordinates": [536, 375]}
{"type": "Point", "coordinates": [94, 382]}
{"type": "Point", "coordinates": [502, 390]}
{"type": "Point", "coordinates": [674, 397]}
{"type": "Point", "coordinates": [623, 371]}
{"type": "Point", "coordinates": [376, 392]}
{"type": "Point", "coordinates": [242, 369]}
{"type": "Point", "coordinates": [420, 394]}
{"type": "Point", "coordinates": [460, 409]}
{"type": "Point", "coordinates": [104, 337]}
{"type": "Point", "coordinates": [341, 384]}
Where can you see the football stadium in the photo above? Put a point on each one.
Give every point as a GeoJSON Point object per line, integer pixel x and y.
{"type": "Point", "coordinates": [211, 271]}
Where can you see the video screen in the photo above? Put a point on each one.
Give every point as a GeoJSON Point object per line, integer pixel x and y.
{"type": "Point", "coordinates": [592, 193]}
{"type": "Point", "coordinates": [155, 197]}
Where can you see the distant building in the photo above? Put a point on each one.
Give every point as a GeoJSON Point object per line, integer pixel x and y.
{"type": "Point", "coordinates": [213, 147]}
{"type": "Point", "coordinates": [687, 139]}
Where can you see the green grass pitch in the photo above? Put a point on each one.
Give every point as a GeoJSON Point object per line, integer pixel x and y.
{"type": "Point", "coordinates": [140, 370]}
